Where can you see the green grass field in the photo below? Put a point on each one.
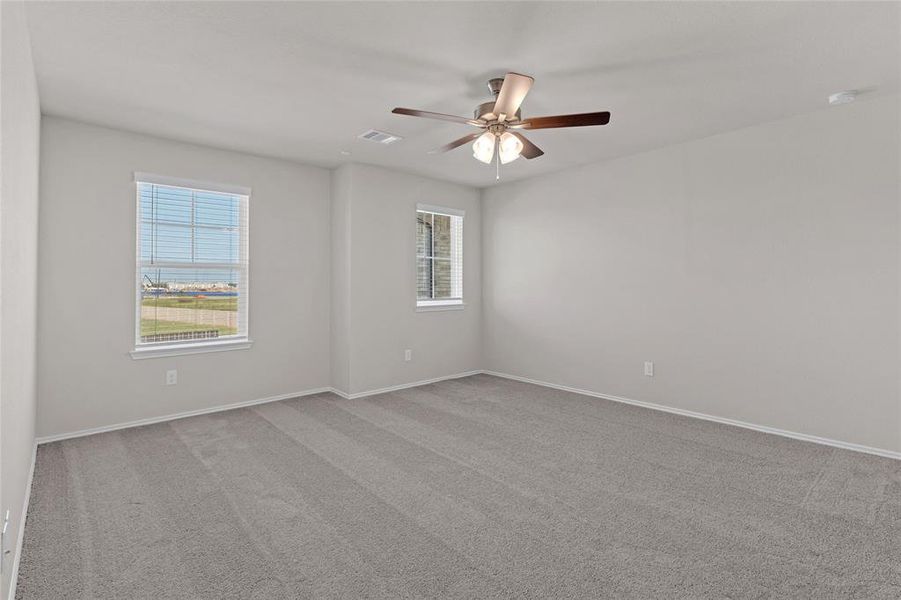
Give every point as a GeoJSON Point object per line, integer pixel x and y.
{"type": "Point", "coordinates": [229, 303]}
{"type": "Point", "coordinates": [154, 327]}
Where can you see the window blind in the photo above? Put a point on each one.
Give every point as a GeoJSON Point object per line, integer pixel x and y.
{"type": "Point", "coordinates": [192, 267]}
{"type": "Point", "coordinates": [439, 255]}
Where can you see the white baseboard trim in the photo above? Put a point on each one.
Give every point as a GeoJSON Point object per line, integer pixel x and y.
{"type": "Point", "coordinates": [679, 411]}
{"type": "Point", "coordinates": [403, 386]}
{"type": "Point", "coordinates": [181, 415]}
{"type": "Point", "coordinates": [203, 411]}
{"type": "Point", "coordinates": [20, 538]}
{"type": "Point", "coordinates": [690, 413]}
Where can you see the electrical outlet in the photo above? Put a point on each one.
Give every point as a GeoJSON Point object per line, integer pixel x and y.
{"type": "Point", "coordinates": [408, 355]}
{"type": "Point", "coordinates": [171, 377]}
{"type": "Point", "coordinates": [648, 369]}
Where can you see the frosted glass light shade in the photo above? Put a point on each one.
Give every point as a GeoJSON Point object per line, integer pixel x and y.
{"type": "Point", "coordinates": [510, 147]}
{"type": "Point", "coordinates": [483, 147]}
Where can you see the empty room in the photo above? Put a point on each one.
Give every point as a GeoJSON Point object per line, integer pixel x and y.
{"type": "Point", "coordinates": [450, 300]}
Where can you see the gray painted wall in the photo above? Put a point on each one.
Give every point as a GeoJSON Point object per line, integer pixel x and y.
{"type": "Point", "coordinates": [20, 120]}
{"type": "Point", "coordinates": [758, 269]}
{"type": "Point", "coordinates": [86, 316]}
{"type": "Point", "coordinates": [321, 261]}
{"type": "Point", "coordinates": [379, 235]}
{"type": "Point", "coordinates": [340, 278]}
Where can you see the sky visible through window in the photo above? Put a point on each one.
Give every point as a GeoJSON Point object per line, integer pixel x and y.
{"type": "Point", "coordinates": [176, 228]}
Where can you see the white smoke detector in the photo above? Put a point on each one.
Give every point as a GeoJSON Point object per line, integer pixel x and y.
{"type": "Point", "coordinates": [844, 97]}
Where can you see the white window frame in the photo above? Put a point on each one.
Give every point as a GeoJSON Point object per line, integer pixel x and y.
{"type": "Point", "coordinates": [441, 304]}
{"type": "Point", "coordinates": [160, 349]}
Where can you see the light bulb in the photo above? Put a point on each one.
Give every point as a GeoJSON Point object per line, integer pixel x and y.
{"type": "Point", "coordinates": [483, 147]}
{"type": "Point", "coordinates": [510, 147]}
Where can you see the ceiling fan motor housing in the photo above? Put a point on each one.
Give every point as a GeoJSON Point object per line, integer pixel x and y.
{"type": "Point", "coordinates": [486, 111]}
{"type": "Point", "coordinates": [494, 85]}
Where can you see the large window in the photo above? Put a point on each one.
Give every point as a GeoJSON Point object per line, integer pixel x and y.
{"type": "Point", "coordinates": [192, 264]}
{"type": "Point", "coordinates": [439, 257]}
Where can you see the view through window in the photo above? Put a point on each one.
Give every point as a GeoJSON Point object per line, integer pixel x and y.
{"type": "Point", "coordinates": [192, 265]}
{"type": "Point", "coordinates": [439, 256]}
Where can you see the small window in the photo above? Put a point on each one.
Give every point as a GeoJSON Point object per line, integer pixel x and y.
{"type": "Point", "coordinates": [192, 282]}
{"type": "Point", "coordinates": [439, 257]}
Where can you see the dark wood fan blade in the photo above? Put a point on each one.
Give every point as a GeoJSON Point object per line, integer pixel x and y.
{"type": "Point", "coordinates": [456, 143]}
{"type": "Point", "coordinates": [581, 120]}
{"type": "Point", "coordinates": [433, 115]}
{"type": "Point", "coordinates": [513, 92]}
{"type": "Point", "coordinates": [529, 150]}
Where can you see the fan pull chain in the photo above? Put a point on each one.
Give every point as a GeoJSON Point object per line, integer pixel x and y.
{"type": "Point", "coordinates": [497, 160]}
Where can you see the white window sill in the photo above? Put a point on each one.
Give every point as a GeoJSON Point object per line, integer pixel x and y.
{"type": "Point", "coordinates": [197, 348]}
{"type": "Point", "coordinates": [436, 306]}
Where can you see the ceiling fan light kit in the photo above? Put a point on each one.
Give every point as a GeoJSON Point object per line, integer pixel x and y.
{"type": "Point", "coordinates": [483, 147]}
{"type": "Point", "coordinates": [500, 119]}
{"type": "Point", "coordinates": [509, 147]}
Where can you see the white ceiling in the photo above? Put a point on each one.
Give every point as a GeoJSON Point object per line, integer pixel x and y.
{"type": "Point", "coordinates": [302, 80]}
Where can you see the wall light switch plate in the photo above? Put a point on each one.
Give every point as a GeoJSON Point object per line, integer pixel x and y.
{"type": "Point", "coordinates": [408, 355]}
{"type": "Point", "coordinates": [171, 377]}
{"type": "Point", "coordinates": [649, 369]}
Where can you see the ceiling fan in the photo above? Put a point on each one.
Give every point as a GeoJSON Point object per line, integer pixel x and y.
{"type": "Point", "coordinates": [501, 121]}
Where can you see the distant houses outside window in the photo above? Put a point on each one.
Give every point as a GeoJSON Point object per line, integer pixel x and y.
{"type": "Point", "coordinates": [439, 257]}
{"type": "Point", "coordinates": [192, 263]}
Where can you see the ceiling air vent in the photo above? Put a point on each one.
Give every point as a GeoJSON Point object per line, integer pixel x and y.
{"type": "Point", "coordinates": [373, 135]}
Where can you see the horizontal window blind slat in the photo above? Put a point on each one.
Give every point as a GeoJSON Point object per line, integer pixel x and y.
{"type": "Point", "coordinates": [193, 266]}
{"type": "Point", "coordinates": [223, 226]}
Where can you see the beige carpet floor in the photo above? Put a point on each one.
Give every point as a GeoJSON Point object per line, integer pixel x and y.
{"type": "Point", "coordinates": [472, 488]}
